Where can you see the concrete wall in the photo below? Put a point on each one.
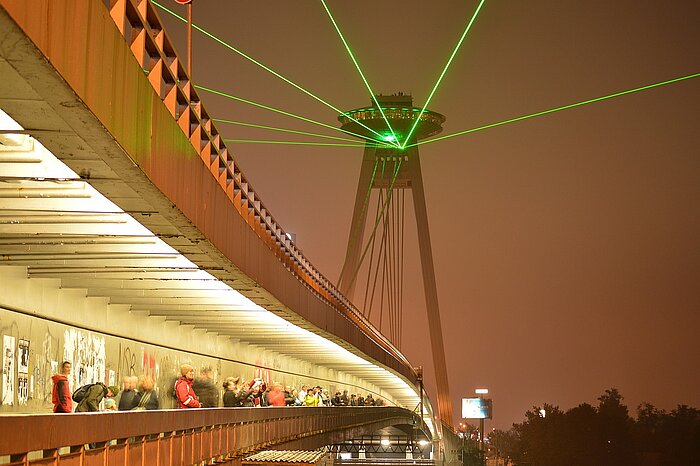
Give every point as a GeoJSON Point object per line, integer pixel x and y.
{"type": "Point", "coordinates": [106, 341]}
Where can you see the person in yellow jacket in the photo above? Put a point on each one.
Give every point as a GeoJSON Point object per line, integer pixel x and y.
{"type": "Point", "coordinates": [311, 398]}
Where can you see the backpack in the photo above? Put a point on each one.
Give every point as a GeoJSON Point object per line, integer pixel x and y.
{"type": "Point", "coordinates": [80, 393]}
{"type": "Point", "coordinates": [173, 392]}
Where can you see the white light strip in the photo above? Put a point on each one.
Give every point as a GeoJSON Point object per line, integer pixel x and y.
{"type": "Point", "coordinates": [64, 197]}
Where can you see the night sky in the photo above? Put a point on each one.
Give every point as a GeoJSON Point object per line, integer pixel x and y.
{"type": "Point", "coordinates": [566, 247]}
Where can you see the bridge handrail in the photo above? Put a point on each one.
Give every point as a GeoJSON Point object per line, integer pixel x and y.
{"type": "Point", "coordinates": [140, 25]}
{"type": "Point", "coordinates": [191, 435]}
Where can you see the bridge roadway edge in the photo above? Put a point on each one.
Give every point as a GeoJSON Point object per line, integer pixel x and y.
{"type": "Point", "coordinates": [151, 164]}
{"type": "Point", "coordinates": [227, 431]}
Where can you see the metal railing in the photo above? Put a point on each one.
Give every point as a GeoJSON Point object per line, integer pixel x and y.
{"type": "Point", "coordinates": [181, 437]}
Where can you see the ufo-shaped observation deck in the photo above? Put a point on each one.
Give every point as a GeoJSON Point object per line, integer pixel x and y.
{"type": "Point", "coordinates": [401, 115]}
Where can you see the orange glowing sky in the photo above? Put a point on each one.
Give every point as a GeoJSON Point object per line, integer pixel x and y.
{"type": "Point", "coordinates": [566, 247]}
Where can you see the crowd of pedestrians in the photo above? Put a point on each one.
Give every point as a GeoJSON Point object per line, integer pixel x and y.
{"type": "Point", "coordinates": [138, 393]}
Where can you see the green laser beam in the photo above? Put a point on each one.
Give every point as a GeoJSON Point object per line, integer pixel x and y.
{"type": "Point", "coordinates": [281, 112]}
{"type": "Point", "coordinates": [444, 70]}
{"type": "Point", "coordinates": [293, 143]}
{"type": "Point", "coordinates": [359, 70]}
{"type": "Point", "coordinates": [558, 109]}
{"type": "Point", "coordinates": [263, 66]}
{"type": "Point", "coordinates": [284, 130]}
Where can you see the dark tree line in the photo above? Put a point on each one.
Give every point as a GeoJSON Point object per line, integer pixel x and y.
{"type": "Point", "coordinates": [603, 435]}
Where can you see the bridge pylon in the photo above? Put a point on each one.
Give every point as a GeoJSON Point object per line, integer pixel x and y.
{"type": "Point", "coordinates": [390, 167]}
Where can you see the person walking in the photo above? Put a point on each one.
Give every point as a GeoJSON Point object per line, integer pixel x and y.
{"type": "Point", "coordinates": [61, 394]}
{"type": "Point", "coordinates": [148, 397]}
{"type": "Point", "coordinates": [205, 388]}
{"type": "Point", "coordinates": [129, 398]}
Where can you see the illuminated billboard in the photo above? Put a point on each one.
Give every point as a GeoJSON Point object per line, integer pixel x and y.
{"type": "Point", "coordinates": [476, 408]}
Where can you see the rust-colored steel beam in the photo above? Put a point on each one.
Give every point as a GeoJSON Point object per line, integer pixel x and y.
{"type": "Point", "coordinates": [176, 437]}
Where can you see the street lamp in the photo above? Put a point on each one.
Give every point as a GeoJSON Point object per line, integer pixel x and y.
{"type": "Point", "coordinates": [481, 392]}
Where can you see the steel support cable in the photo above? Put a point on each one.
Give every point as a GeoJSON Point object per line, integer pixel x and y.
{"type": "Point", "coordinates": [393, 269]}
{"type": "Point", "coordinates": [403, 229]}
{"type": "Point", "coordinates": [283, 112]}
{"type": "Point", "coordinates": [355, 229]}
{"type": "Point", "coordinates": [382, 249]}
{"type": "Point", "coordinates": [395, 262]}
{"type": "Point", "coordinates": [397, 228]}
{"type": "Point", "coordinates": [372, 238]}
{"type": "Point", "coordinates": [387, 264]}
{"type": "Point", "coordinates": [359, 70]}
{"type": "Point", "coordinates": [388, 224]}
{"type": "Point", "coordinates": [556, 109]}
{"type": "Point", "coordinates": [369, 268]}
{"type": "Point", "coordinates": [374, 230]}
{"type": "Point", "coordinates": [367, 311]}
{"type": "Point", "coordinates": [265, 67]}
{"type": "Point", "coordinates": [380, 199]}
{"type": "Point", "coordinates": [395, 272]}
{"type": "Point", "coordinates": [382, 295]}
{"type": "Point", "coordinates": [442, 74]}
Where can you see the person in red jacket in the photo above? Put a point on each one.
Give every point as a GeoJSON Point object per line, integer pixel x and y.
{"type": "Point", "coordinates": [61, 395]}
{"type": "Point", "coordinates": [275, 397]}
{"type": "Point", "coordinates": [186, 397]}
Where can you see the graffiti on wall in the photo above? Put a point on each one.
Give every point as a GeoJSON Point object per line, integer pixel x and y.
{"type": "Point", "coordinates": [150, 367]}
{"type": "Point", "coordinates": [33, 350]}
{"type": "Point", "coordinates": [23, 357]}
{"type": "Point", "coordinates": [8, 370]}
{"type": "Point", "coordinates": [127, 361]}
{"type": "Point", "coordinates": [45, 364]}
{"type": "Point", "coordinates": [261, 370]}
{"type": "Point", "coordinates": [23, 372]}
{"type": "Point", "coordinates": [86, 352]}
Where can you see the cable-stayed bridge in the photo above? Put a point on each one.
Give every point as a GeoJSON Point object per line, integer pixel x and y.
{"type": "Point", "coordinates": [132, 241]}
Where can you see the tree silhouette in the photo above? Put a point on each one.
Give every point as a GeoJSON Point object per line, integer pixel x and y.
{"type": "Point", "coordinates": [603, 435]}
{"type": "Point", "coordinates": [615, 427]}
